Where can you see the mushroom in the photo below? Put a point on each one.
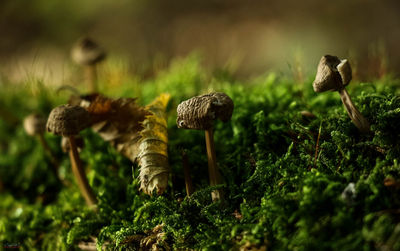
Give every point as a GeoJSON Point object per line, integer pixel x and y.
{"type": "Point", "coordinates": [35, 126]}
{"type": "Point", "coordinates": [88, 53]}
{"type": "Point", "coordinates": [68, 121]}
{"type": "Point", "coordinates": [333, 75]}
{"type": "Point", "coordinates": [199, 113]}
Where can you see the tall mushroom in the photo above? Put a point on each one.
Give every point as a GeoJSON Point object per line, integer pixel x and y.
{"type": "Point", "coordinates": [68, 121]}
{"type": "Point", "coordinates": [334, 74]}
{"type": "Point", "coordinates": [35, 126]}
{"type": "Point", "coordinates": [88, 53]}
{"type": "Point", "coordinates": [199, 113]}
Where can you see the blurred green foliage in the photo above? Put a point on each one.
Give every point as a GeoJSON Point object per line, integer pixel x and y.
{"type": "Point", "coordinates": [280, 192]}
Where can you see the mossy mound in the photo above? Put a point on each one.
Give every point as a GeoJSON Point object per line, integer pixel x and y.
{"type": "Point", "coordinates": [283, 191]}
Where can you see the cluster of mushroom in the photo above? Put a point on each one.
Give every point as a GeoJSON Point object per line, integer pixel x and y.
{"type": "Point", "coordinates": [197, 113]}
{"type": "Point", "coordinates": [68, 121]}
{"type": "Point", "coordinates": [200, 112]}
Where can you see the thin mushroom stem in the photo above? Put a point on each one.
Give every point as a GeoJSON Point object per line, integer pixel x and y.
{"type": "Point", "coordinates": [91, 77]}
{"type": "Point", "coordinates": [48, 151]}
{"type": "Point", "coordinates": [186, 171]}
{"type": "Point", "coordinates": [357, 118]}
{"type": "Point", "coordinates": [212, 164]}
{"type": "Point", "coordinates": [80, 175]}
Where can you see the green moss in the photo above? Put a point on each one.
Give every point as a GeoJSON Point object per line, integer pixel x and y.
{"type": "Point", "coordinates": [281, 190]}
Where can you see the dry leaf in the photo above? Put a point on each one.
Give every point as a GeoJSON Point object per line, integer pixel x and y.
{"type": "Point", "coordinates": [117, 121]}
{"type": "Point", "coordinates": [139, 133]}
{"type": "Point", "coordinates": [153, 154]}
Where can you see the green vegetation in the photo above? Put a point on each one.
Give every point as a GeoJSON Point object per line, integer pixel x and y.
{"type": "Point", "coordinates": [282, 190]}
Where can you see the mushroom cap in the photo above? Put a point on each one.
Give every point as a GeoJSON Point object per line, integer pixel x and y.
{"type": "Point", "coordinates": [200, 112]}
{"type": "Point", "coordinates": [68, 120]}
{"type": "Point", "coordinates": [35, 124]}
{"type": "Point", "coordinates": [87, 52]}
{"type": "Point", "coordinates": [333, 74]}
{"type": "Point", "coordinates": [344, 70]}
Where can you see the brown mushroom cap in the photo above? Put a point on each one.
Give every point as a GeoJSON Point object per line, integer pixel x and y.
{"type": "Point", "coordinates": [68, 120]}
{"type": "Point", "coordinates": [35, 124]}
{"type": "Point", "coordinates": [87, 52]}
{"type": "Point", "coordinates": [333, 74]}
{"type": "Point", "coordinates": [200, 112]}
{"type": "Point", "coordinates": [344, 70]}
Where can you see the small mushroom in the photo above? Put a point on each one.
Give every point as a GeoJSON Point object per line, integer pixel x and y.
{"type": "Point", "coordinates": [68, 121]}
{"type": "Point", "coordinates": [199, 113]}
{"type": "Point", "coordinates": [35, 126]}
{"type": "Point", "coordinates": [334, 74]}
{"type": "Point", "coordinates": [88, 53]}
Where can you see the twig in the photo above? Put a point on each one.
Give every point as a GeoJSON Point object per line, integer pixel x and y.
{"type": "Point", "coordinates": [186, 171]}
{"type": "Point", "coordinates": [317, 145]}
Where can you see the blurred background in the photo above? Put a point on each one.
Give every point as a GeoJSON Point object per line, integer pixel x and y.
{"type": "Point", "coordinates": [244, 37]}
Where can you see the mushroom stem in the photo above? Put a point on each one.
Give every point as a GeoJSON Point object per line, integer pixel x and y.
{"type": "Point", "coordinates": [186, 171]}
{"type": "Point", "coordinates": [91, 77]}
{"type": "Point", "coordinates": [80, 175]}
{"type": "Point", "coordinates": [212, 164]}
{"type": "Point", "coordinates": [48, 151]}
{"type": "Point", "coordinates": [357, 118]}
